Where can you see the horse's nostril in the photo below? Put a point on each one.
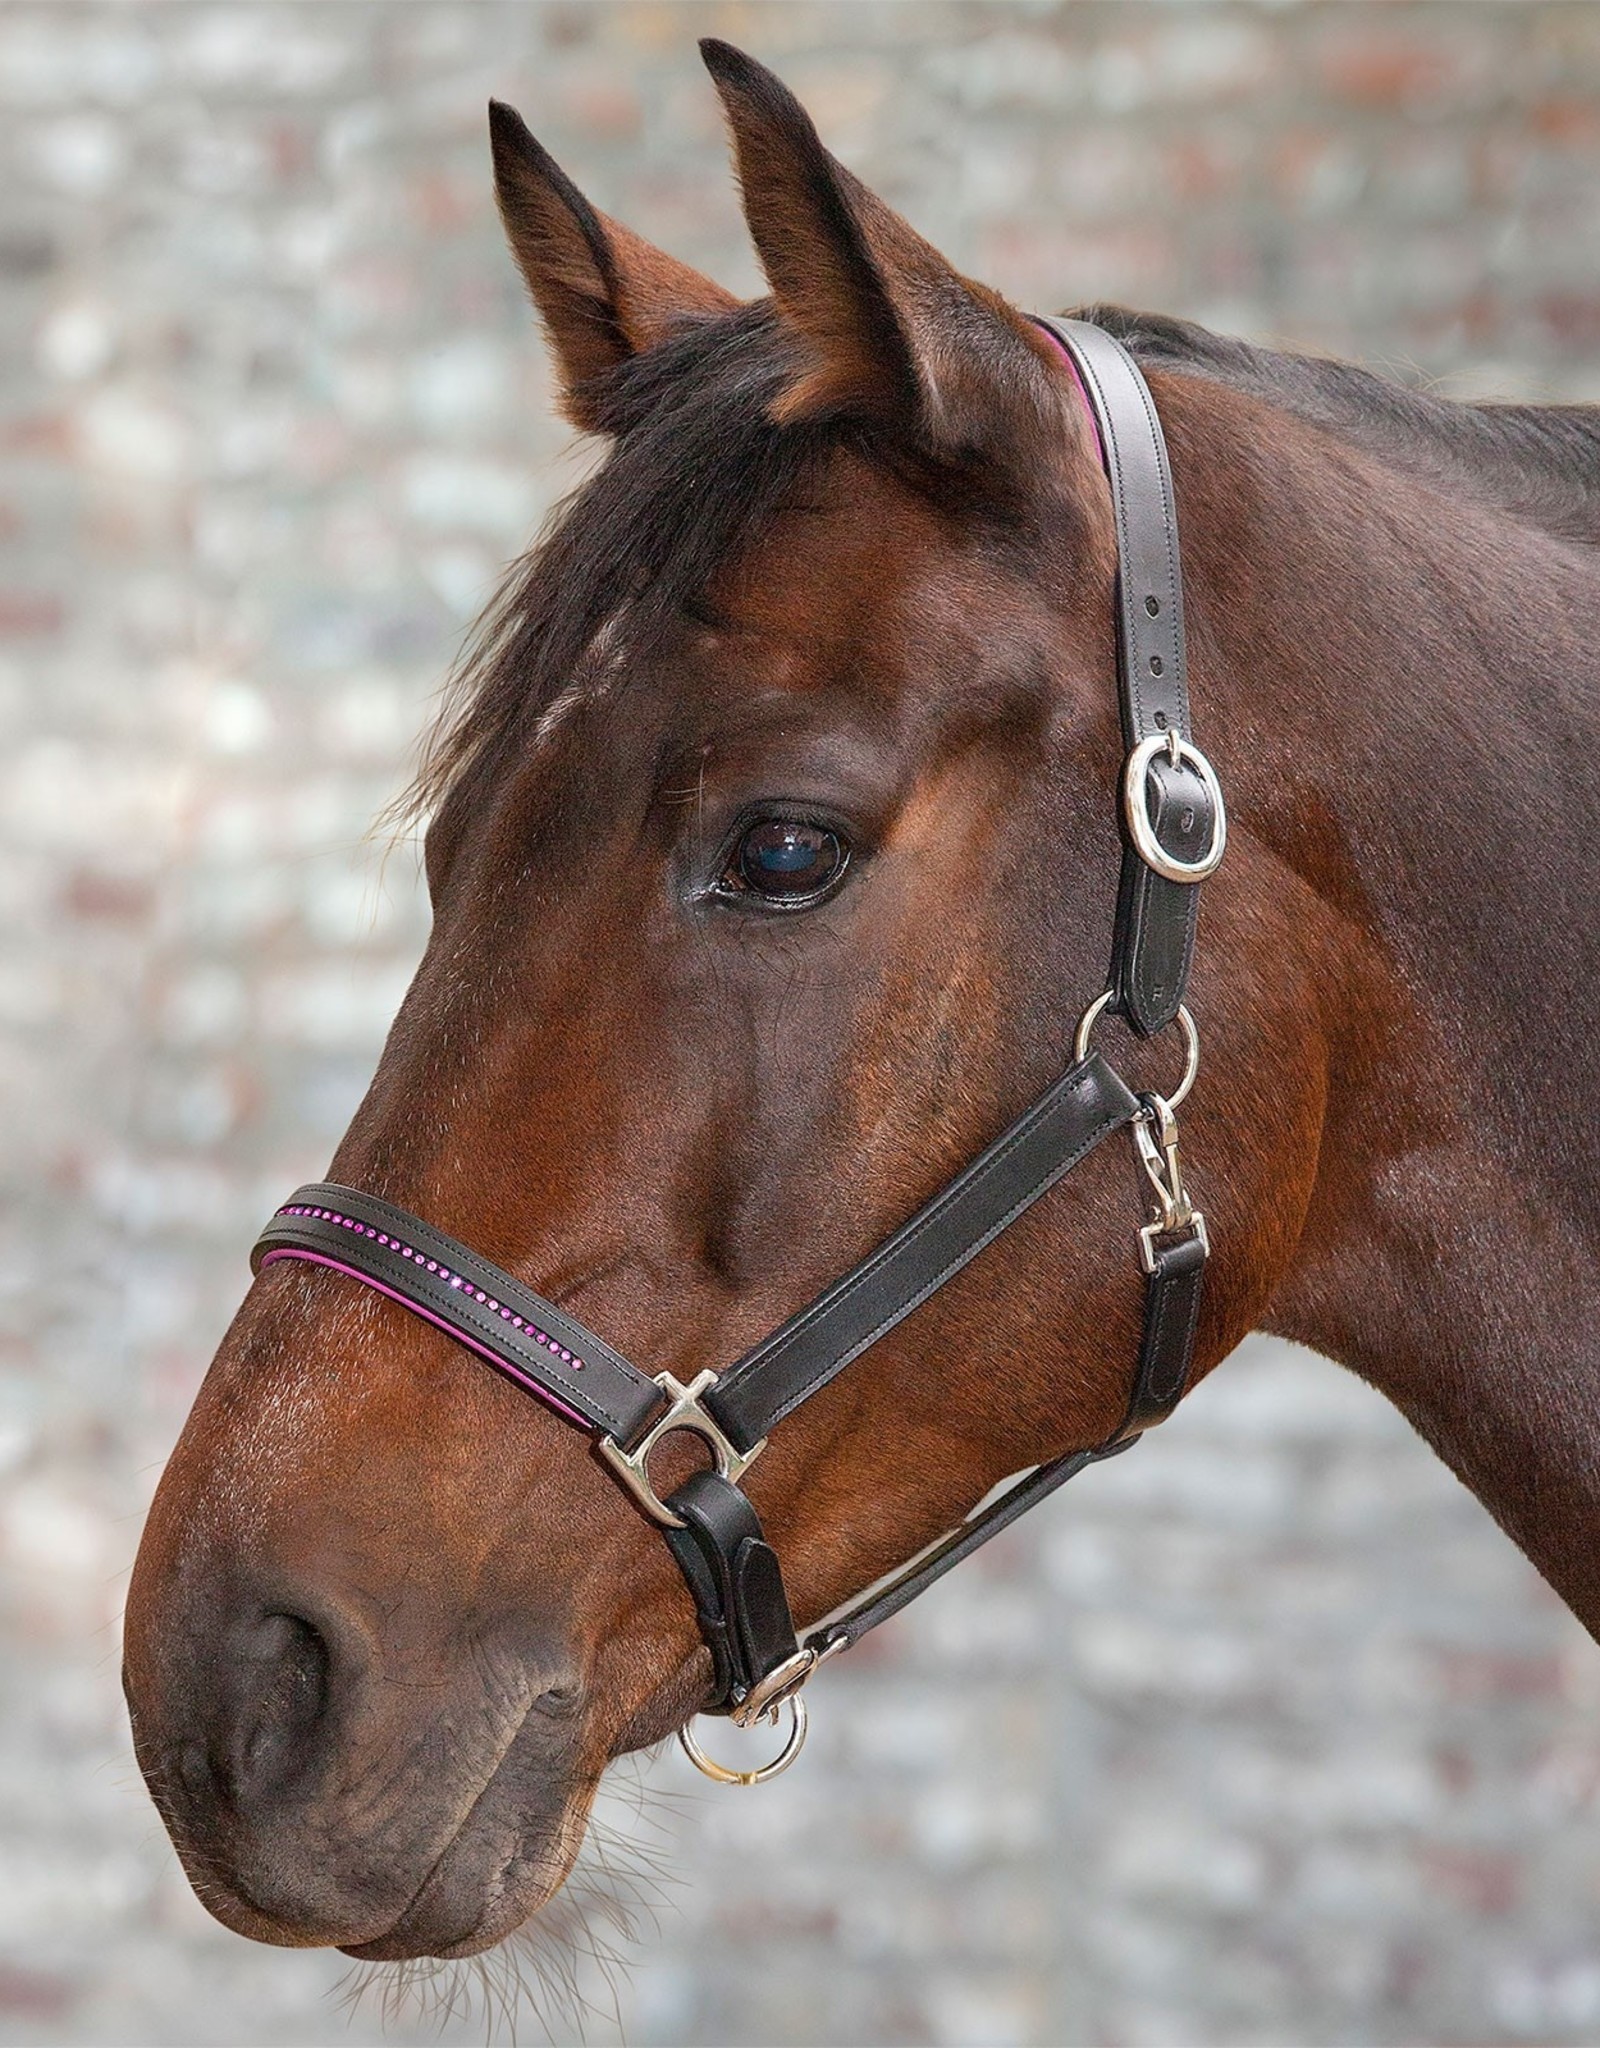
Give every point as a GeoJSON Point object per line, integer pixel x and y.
{"type": "Point", "coordinates": [283, 1693]}
{"type": "Point", "coordinates": [559, 1702]}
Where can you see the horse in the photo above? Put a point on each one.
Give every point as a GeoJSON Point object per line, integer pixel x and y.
{"type": "Point", "coordinates": [771, 858]}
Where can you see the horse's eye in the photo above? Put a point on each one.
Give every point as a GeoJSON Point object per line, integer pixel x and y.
{"type": "Point", "coordinates": [786, 861]}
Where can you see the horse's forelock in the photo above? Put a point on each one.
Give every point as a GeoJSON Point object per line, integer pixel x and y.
{"type": "Point", "coordinates": [696, 471]}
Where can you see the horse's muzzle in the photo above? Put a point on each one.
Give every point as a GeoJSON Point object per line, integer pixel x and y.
{"type": "Point", "coordinates": [325, 1789]}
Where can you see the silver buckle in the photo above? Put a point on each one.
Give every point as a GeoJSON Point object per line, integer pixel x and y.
{"type": "Point", "coordinates": [685, 1412]}
{"type": "Point", "coordinates": [762, 1701]}
{"type": "Point", "coordinates": [1155, 1137]}
{"type": "Point", "coordinates": [1149, 1232]}
{"type": "Point", "coordinates": [1137, 811]}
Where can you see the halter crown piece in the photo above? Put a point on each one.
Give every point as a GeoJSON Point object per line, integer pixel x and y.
{"type": "Point", "coordinates": [1173, 830]}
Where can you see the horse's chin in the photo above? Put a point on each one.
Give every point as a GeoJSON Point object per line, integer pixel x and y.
{"type": "Point", "coordinates": [440, 1935]}
{"type": "Point", "coordinates": [403, 1944]}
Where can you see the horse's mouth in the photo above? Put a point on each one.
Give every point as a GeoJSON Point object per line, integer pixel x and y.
{"type": "Point", "coordinates": [305, 1879]}
{"type": "Point", "coordinates": [411, 1936]}
{"type": "Point", "coordinates": [468, 1903]}
{"type": "Point", "coordinates": [481, 1888]}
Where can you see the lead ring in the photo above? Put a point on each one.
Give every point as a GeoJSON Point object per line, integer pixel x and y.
{"type": "Point", "coordinates": [1191, 1043]}
{"type": "Point", "coordinates": [1137, 811]}
{"type": "Point", "coordinates": [791, 1749]}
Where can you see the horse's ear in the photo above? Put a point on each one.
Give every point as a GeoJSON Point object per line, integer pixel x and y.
{"type": "Point", "coordinates": [602, 292]}
{"type": "Point", "coordinates": [894, 334]}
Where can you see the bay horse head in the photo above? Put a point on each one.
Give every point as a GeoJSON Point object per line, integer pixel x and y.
{"type": "Point", "coordinates": [771, 863]}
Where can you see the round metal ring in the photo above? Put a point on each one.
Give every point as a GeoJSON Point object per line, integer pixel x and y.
{"type": "Point", "coordinates": [724, 1776]}
{"type": "Point", "coordinates": [1137, 811]}
{"type": "Point", "coordinates": [1191, 1044]}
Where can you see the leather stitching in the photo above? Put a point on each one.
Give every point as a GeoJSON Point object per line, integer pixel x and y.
{"type": "Point", "coordinates": [1130, 625]}
{"type": "Point", "coordinates": [493, 1279]}
{"type": "Point", "coordinates": [898, 1246]}
{"type": "Point", "coordinates": [1172, 1291]}
{"type": "Point", "coordinates": [1158, 1336]}
{"type": "Point", "coordinates": [958, 1190]}
{"type": "Point", "coordinates": [598, 1356]}
{"type": "Point", "coordinates": [1188, 1302]}
{"type": "Point", "coordinates": [1140, 962]}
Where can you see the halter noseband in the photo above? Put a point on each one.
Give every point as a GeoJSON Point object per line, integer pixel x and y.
{"type": "Point", "coordinates": [1173, 835]}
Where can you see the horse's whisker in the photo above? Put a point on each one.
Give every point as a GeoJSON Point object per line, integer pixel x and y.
{"type": "Point", "coordinates": [568, 1967]}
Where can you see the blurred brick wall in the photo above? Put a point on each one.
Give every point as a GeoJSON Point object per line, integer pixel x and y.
{"type": "Point", "coordinates": [1264, 1735]}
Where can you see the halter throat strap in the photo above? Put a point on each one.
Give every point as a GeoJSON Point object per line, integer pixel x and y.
{"type": "Point", "coordinates": [1173, 835]}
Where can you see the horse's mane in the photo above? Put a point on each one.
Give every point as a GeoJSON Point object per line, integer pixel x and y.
{"type": "Point", "coordinates": [1539, 462]}
{"type": "Point", "coordinates": [697, 470]}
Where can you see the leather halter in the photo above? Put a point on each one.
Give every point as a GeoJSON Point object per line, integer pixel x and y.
{"type": "Point", "coordinates": [1173, 834]}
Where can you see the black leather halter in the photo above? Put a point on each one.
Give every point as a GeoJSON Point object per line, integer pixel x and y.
{"type": "Point", "coordinates": [1173, 833]}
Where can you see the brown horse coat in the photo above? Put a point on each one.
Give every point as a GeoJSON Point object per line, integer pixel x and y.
{"type": "Point", "coordinates": [851, 558]}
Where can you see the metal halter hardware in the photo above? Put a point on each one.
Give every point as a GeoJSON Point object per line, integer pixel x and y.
{"type": "Point", "coordinates": [759, 1664]}
{"type": "Point", "coordinates": [1136, 809]}
{"type": "Point", "coordinates": [779, 1689]}
{"type": "Point", "coordinates": [1191, 1043]}
{"type": "Point", "coordinates": [1155, 1138]}
{"type": "Point", "coordinates": [685, 1413]}
{"type": "Point", "coordinates": [724, 1774]}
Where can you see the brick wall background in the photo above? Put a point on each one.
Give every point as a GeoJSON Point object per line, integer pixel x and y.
{"type": "Point", "coordinates": [1264, 1735]}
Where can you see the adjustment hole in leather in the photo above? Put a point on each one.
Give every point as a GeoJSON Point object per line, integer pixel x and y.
{"type": "Point", "coordinates": [1153, 606]}
{"type": "Point", "coordinates": [1157, 665]}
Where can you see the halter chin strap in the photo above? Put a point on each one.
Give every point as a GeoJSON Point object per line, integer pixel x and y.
{"type": "Point", "coordinates": [1173, 834]}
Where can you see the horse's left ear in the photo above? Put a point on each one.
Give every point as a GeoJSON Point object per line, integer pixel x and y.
{"type": "Point", "coordinates": [602, 292]}
{"type": "Point", "coordinates": [894, 335]}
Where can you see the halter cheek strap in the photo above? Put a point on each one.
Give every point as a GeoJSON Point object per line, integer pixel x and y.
{"type": "Point", "coordinates": [1173, 835]}
{"type": "Point", "coordinates": [1173, 822]}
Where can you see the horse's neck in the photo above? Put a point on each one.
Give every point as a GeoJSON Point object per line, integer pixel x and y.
{"type": "Point", "coordinates": [1473, 1305]}
{"type": "Point", "coordinates": [1407, 687]}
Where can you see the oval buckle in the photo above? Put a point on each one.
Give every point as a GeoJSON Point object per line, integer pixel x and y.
{"type": "Point", "coordinates": [781, 1762]}
{"type": "Point", "coordinates": [1137, 811]}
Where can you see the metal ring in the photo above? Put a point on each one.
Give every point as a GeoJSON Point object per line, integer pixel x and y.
{"type": "Point", "coordinates": [1191, 1043]}
{"type": "Point", "coordinates": [791, 1749]}
{"type": "Point", "coordinates": [1137, 811]}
